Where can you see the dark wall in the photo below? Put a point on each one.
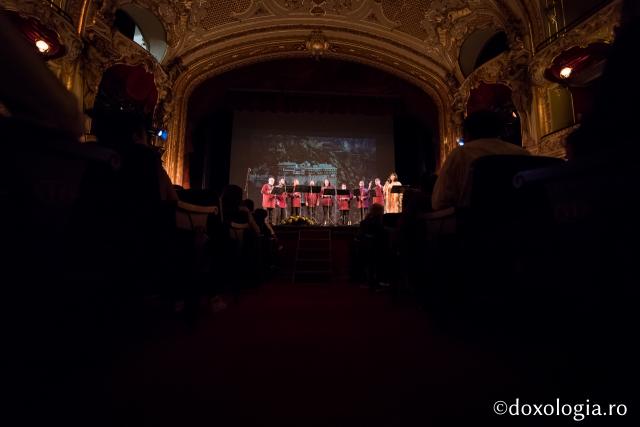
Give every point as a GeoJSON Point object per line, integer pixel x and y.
{"type": "Point", "coordinates": [309, 86]}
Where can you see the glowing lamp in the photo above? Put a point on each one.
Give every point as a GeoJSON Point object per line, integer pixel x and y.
{"type": "Point", "coordinates": [565, 73]}
{"type": "Point", "coordinates": [42, 46]}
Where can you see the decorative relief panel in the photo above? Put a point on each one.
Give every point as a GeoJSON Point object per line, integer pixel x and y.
{"type": "Point", "coordinates": [320, 7]}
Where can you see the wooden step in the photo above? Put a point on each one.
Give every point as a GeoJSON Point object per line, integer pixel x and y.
{"type": "Point", "coordinates": [314, 252]}
{"type": "Point", "coordinates": [313, 265]}
{"type": "Point", "coordinates": [314, 244]}
{"type": "Point", "coordinates": [311, 276]}
{"type": "Point", "coordinates": [315, 234]}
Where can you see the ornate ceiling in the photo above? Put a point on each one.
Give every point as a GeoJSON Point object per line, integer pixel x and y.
{"type": "Point", "coordinates": [433, 29]}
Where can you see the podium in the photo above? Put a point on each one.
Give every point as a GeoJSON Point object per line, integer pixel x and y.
{"type": "Point", "coordinates": [399, 188]}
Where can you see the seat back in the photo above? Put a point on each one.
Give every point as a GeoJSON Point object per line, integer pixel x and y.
{"type": "Point", "coordinates": [492, 194]}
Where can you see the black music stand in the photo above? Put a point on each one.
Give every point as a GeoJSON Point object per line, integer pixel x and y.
{"type": "Point", "coordinates": [314, 189]}
{"type": "Point", "coordinates": [331, 192]}
{"type": "Point", "coordinates": [356, 195]}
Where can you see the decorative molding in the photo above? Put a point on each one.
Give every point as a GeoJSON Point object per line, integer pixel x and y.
{"type": "Point", "coordinates": [257, 9]}
{"type": "Point", "coordinates": [317, 44]}
{"type": "Point", "coordinates": [554, 144]}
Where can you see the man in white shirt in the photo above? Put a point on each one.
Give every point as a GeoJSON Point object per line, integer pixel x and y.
{"type": "Point", "coordinates": [482, 131]}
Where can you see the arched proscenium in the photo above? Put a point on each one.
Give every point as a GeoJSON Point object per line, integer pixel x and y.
{"type": "Point", "coordinates": [398, 56]}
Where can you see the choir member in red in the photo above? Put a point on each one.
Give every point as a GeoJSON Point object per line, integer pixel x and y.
{"type": "Point", "coordinates": [268, 199]}
{"type": "Point", "coordinates": [378, 193]}
{"type": "Point", "coordinates": [327, 202]}
{"type": "Point", "coordinates": [343, 205]}
{"type": "Point", "coordinates": [362, 201]}
{"type": "Point", "coordinates": [281, 201]}
{"type": "Point", "coordinates": [296, 199]}
{"type": "Point", "coordinates": [313, 199]}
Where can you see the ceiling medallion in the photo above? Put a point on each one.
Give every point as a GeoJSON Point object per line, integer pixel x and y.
{"type": "Point", "coordinates": [317, 44]}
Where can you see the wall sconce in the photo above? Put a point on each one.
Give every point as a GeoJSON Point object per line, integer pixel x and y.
{"type": "Point", "coordinates": [565, 73]}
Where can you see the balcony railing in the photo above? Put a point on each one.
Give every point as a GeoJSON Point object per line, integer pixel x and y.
{"type": "Point", "coordinates": [582, 18]}
{"type": "Point", "coordinates": [58, 7]}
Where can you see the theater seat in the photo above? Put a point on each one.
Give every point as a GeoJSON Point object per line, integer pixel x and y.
{"type": "Point", "coordinates": [475, 252]}
{"type": "Point", "coordinates": [493, 196]}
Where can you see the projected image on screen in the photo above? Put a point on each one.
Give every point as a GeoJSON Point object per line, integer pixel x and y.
{"type": "Point", "coordinates": [312, 158]}
{"type": "Point", "coordinates": [343, 149]}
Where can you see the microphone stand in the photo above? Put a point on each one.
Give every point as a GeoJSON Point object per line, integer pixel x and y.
{"type": "Point", "coordinates": [286, 214]}
{"type": "Point", "coordinates": [335, 201]}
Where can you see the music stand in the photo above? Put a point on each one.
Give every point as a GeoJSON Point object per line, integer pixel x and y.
{"type": "Point", "coordinates": [314, 189]}
{"type": "Point", "coordinates": [331, 192]}
{"type": "Point", "coordinates": [356, 195]}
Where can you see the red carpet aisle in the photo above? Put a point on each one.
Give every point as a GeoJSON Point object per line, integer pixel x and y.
{"type": "Point", "coordinates": [307, 355]}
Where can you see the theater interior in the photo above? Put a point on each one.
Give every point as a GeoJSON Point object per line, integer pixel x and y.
{"type": "Point", "coordinates": [156, 278]}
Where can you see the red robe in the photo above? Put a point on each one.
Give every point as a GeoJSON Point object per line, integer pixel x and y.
{"type": "Point", "coordinates": [268, 199]}
{"type": "Point", "coordinates": [326, 200]}
{"type": "Point", "coordinates": [343, 202]}
{"type": "Point", "coordinates": [363, 199]}
{"type": "Point", "coordinates": [281, 200]}
{"type": "Point", "coordinates": [295, 199]}
{"type": "Point", "coordinates": [378, 196]}
{"type": "Point", "coordinates": [312, 199]}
